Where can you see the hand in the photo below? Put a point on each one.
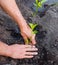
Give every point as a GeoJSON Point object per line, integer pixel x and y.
{"type": "Point", "coordinates": [26, 32]}
{"type": "Point", "coordinates": [22, 51]}
{"type": "Point", "coordinates": [10, 6]}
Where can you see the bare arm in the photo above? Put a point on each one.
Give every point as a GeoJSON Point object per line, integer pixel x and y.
{"type": "Point", "coordinates": [4, 49]}
{"type": "Point", "coordinates": [17, 51]}
{"type": "Point", "coordinates": [11, 8]}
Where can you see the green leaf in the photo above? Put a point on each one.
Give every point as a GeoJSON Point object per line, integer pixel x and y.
{"type": "Point", "coordinates": [32, 26]}
{"type": "Point", "coordinates": [35, 32]}
{"type": "Point", "coordinates": [39, 4]}
{"type": "Point", "coordinates": [35, 4]}
{"type": "Point", "coordinates": [43, 1]}
{"type": "Point", "coordinates": [36, 1]}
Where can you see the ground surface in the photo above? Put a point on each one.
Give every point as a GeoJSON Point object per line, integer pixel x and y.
{"type": "Point", "coordinates": [47, 43]}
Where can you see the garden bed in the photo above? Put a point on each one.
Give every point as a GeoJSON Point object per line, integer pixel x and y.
{"type": "Point", "coordinates": [47, 36]}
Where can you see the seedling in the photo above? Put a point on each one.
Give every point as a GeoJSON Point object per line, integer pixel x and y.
{"type": "Point", "coordinates": [38, 4]}
{"type": "Point", "coordinates": [32, 26]}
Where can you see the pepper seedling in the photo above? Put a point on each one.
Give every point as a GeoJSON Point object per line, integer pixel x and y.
{"type": "Point", "coordinates": [32, 26]}
{"type": "Point", "coordinates": [38, 4]}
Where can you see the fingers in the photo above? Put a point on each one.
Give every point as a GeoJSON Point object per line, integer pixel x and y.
{"type": "Point", "coordinates": [33, 39]}
{"type": "Point", "coordinates": [26, 37]}
{"type": "Point", "coordinates": [31, 53]}
{"type": "Point", "coordinates": [31, 49]}
{"type": "Point", "coordinates": [28, 56]}
{"type": "Point", "coordinates": [29, 46]}
{"type": "Point", "coordinates": [22, 51]}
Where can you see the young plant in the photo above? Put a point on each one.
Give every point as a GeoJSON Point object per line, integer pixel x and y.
{"type": "Point", "coordinates": [32, 26]}
{"type": "Point", "coordinates": [38, 4]}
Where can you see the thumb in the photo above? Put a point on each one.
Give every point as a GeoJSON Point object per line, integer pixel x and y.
{"type": "Point", "coordinates": [33, 39]}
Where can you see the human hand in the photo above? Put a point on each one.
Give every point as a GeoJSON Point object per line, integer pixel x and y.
{"type": "Point", "coordinates": [26, 32]}
{"type": "Point", "coordinates": [10, 6]}
{"type": "Point", "coordinates": [22, 51]}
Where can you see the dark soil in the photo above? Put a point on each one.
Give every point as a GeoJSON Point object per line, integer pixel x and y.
{"type": "Point", "coordinates": [47, 36]}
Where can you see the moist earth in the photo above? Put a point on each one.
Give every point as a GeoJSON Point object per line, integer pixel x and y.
{"type": "Point", "coordinates": [46, 38]}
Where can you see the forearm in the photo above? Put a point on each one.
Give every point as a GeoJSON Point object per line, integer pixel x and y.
{"type": "Point", "coordinates": [11, 8]}
{"type": "Point", "coordinates": [4, 49]}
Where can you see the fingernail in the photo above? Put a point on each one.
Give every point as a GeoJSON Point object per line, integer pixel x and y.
{"type": "Point", "coordinates": [33, 46]}
{"type": "Point", "coordinates": [36, 49]}
{"type": "Point", "coordinates": [36, 53]}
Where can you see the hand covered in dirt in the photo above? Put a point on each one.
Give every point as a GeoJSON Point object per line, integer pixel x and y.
{"type": "Point", "coordinates": [26, 32]}
{"type": "Point", "coordinates": [22, 51]}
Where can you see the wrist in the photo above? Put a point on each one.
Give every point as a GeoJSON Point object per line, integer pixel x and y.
{"type": "Point", "coordinates": [22, 23]}
{"type": "Point", "coordinates": [4, 49]}
{"type": "Point", "coordinates": [8, 51]}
